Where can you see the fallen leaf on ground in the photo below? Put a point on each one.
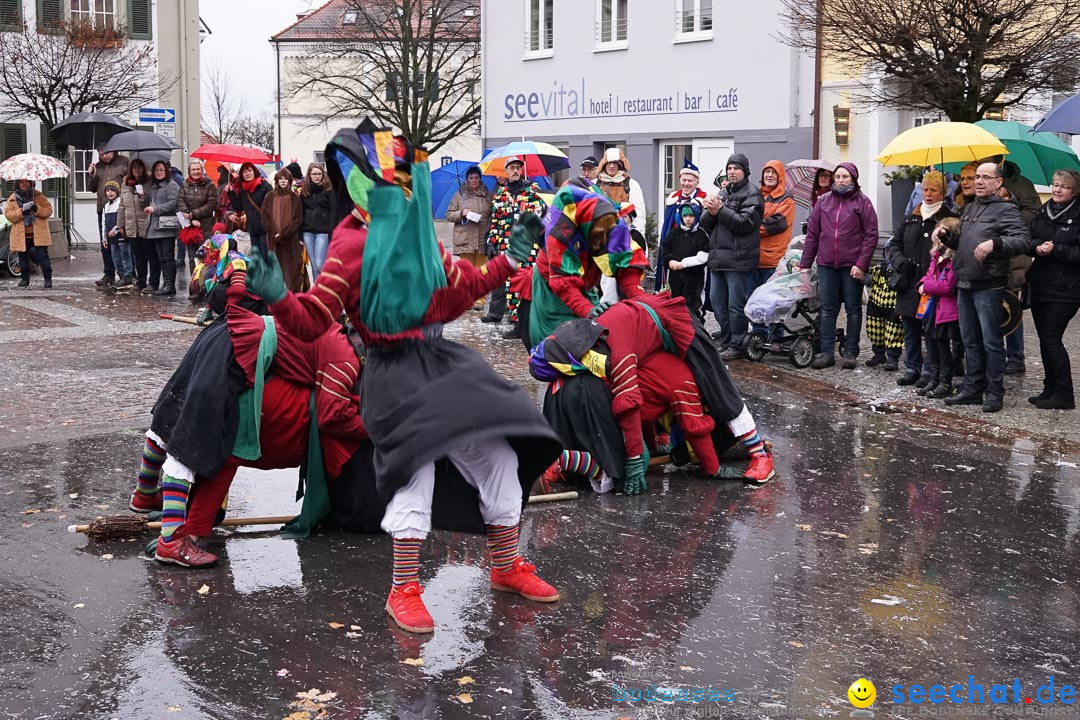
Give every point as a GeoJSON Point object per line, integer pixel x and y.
{"type": "Point", "coordinates": [174, 708]}
{"type": "Point", "coordinates": [355, 628]}
{"type": "Point", "coordinates": [107, 556]}
{"type": "Point", "coordinates": [416, 662]}
{"type": "Point", "coordinates": [464, 698]}
{"type": "Point", "coordinates": [686, 668]}
{"type": "Point", "coordinates": [316, 695]}
{"type": "Point", "coordinates": [467, 680]}
{"type": "Point", "coordinates": [79, 605]}
{"type": "Point", "coordinates": [302, 715]}
{"type": "Point", "coordinates": [508, 691]}
{"type": "Point", "coordinates": [805, 527]}
{"type": "Point", "coordinates": [203, 590]}
{"type": "Point", "coordinates": [833, 533]}
{"type": "Point", "coordinates": [337, 625]}
{"type": "Point", "coordinates": [26, 525]}
{"type": "Point", "coordinates": [795, 643]}
{"type": "Point", "coordinates": [73, 495]}
{"type": "Point", "coordinates": [31, 511]}
{"type": "Point", "coordinates": [282, 672]}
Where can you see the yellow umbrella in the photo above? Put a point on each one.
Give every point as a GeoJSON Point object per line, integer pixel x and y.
{"type": "Point", "coordinates": [938, 143]}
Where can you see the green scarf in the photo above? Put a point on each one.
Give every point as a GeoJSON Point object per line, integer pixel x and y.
{"type": "Point", "coordinates": [312, 477]}
{"type": "Point", "coordinates": [247, 446]}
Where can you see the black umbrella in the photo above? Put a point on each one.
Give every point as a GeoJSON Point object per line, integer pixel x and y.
{"type": "Point", "coordinates": [86, 129]}
{"type": "Point", "coordinates": [139, 141]}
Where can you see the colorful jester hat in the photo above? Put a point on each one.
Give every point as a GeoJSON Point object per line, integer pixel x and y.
{"type": "Point", "coordinates": [360, 159]}
{"type": "Point", "coordinates": [582, 223]}
{"type": "Point", "coordinates": [576, 346]}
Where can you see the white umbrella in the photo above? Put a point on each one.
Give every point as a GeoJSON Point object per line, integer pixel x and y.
{"type": "Point", "coordinates": [33, 166]}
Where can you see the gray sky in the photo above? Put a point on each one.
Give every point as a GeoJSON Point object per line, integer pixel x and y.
{"type": "Point", "coordinates": [240, 41]}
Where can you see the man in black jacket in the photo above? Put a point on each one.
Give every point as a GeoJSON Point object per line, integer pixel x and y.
{"type": "Point", "coordinates": [733, 219]}
{"type": "Point", "coordinates": [991, 231]}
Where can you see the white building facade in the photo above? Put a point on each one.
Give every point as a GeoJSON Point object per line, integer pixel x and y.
{"type": "Point", "coordinates": [662, 79]}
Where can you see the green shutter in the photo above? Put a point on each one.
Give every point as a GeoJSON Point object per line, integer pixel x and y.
{"type": "Point", "coordinates": [140, 26]}
{"type": "Point", "coordinates": [50, 16]}
{"type": "Point", "coordinates": [48, 147]}
{"type": "Point", "coordinates": [12, 142]}
{"type": "Point", "coordinates": [10, 14]}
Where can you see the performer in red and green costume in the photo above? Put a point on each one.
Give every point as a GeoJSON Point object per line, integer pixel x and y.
{"type": "Point", "coordinates": [585, 239]}
{"type": "Point", "coordinates": [457, 446]}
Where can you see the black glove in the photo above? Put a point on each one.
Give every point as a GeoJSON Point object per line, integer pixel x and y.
{"type": "Point", "coordinates": [490, 250]}
{"type": "Point", "coordinates": [525, 234]}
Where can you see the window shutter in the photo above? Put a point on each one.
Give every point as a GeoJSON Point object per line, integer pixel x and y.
{"type": "Point", "coordinates": [10, 15]}
{"type": "Point", "coordinates": [140, 26]}
{"type": "Point", "coordinates": [50, 15]}
{"type": "Point", "coordinates": [12, 142]}
{"type": "Point", "coordinates": [50, 187]}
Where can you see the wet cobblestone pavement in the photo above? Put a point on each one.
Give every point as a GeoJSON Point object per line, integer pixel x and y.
{"type": "Point", "coordinates": [897, 550]}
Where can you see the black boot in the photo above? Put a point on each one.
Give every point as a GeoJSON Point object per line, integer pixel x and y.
{"type": "Point", "coordinates": [878, 358]}
{"type": "Point", "coordinates": [930, 386]}
{"type": "Point", "coordinates": [168, 279]}
{"type": "Point", "coordinates": [24, 281]}
{"type": "Point", "coordinates": [48, 280]}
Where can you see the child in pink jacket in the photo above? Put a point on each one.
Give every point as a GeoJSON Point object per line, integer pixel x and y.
{"type": "Point", "coordinates": [938, 287]}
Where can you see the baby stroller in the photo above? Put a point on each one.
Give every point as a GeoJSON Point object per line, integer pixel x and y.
{"type": "Point", "coordinates": [786, 313]}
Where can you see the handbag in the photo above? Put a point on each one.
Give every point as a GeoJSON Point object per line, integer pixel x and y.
{"type": "Point", "coordinates": [168, 222]}
{"type": "Point", "coordinates": [926, 306]}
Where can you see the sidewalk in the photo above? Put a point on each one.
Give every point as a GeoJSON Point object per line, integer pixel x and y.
{"type": "Point", "coordinates": [875, 389]}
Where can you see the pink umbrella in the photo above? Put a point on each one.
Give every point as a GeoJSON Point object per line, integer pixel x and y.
{"type": "Point", "coordinates": [800, 178]}
{"type": "Point", "coordinates": [33, 166]}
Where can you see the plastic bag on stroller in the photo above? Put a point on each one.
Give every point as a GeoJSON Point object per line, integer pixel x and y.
{"type": "Point", "coordinates": [777, 297]}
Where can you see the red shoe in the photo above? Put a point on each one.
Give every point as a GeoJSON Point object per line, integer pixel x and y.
{"type": "Point", "coordinates": [143, 503]}
{"type": "Point", "coordinates": [550, 477]}
{"type": "Point", "coordinates": [183, 552]}
{"type": "Point", "coordinates": [760, 470]}
{"type": "Point", "coordinates": [521, 579]}
{"type": "Point", "coordinates": [407, 609]}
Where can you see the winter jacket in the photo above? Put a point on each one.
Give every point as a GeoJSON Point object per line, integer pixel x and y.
{"type": "Point", "coordinates": [13, 212]}
{"type": "Point", "coordinates": [908, 252]}
{"type": "Point", "coordinates": [734, 231]}
{"type": "Point", "coordinates": [842, 232]}
{"type": "Point", "coordinates": [251, 205]}
{"type": "Point", "coordinates": [468, 235]}
{"type": "Point", "coordinates": [993, 219]}
{"type": "Point", "coordinates": [103, 173]}
{"type": "Point", "coordinates": [318, 211]}
{"type": "Point", "coordinates": [130, 216]}
{"type": "Point", "coordinates": [108, 217]}
{"type": "Point", "coordinates": [200, 199]}
{"type": "Point", "coordinates": [690, 247]}
{"type": "Point", "coordinates": [778, 219]}
{"type": "Point", "coordinates": [1056, 277]}
{"type": "Point", "coordinates": [940, 281]}
{"type": "Point", "coordinates": [164, 197]}
{"type": "Point", "coordinates": [623, 188]}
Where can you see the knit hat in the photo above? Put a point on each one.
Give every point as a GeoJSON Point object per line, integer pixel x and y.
{"type": "Point", "coordinates": [112, 185]}
{"type": "Point", "coordinates": [690, 168]}
{"type": "Point", "coordinates": [740, 160]}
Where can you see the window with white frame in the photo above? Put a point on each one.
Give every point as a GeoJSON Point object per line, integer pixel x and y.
{"type": "Point", "coordinates": [611, 23]}
{"type": "Point", "coordinates": [320, 157]}
{"type": "Point", "coordinates": [693, 19]}
{"type": "Point", "coordinates": [99, 13]}
{"type": "Point", "coordinates": [81, 160]}
{"type": "Point", "coordinates": [539, 28]}
{"type": "Point", "coordinates": [675, 156]}
{"type": "Point", "coordinates": [926, 120]}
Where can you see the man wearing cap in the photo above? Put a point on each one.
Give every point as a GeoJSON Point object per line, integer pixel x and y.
{"type": "Point", "coordinates": [589, 168]}
{"type": "Point", "coordinates": [991, 231]}
{"type": "Point", "coordinates": [517, 196]}
{"type": "Point", "coordinates": [688, 194]}
{"type": "Point", "coordinates": [733, 221]}
{"type": "Point", "coordinates": [109, 167]}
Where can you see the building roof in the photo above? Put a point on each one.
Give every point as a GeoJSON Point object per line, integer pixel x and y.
{"type": "Point", "coordinates": [328, 22]}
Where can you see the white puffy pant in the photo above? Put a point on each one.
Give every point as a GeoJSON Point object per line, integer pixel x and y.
{"type": "Point", "coordinates": [490, 465]}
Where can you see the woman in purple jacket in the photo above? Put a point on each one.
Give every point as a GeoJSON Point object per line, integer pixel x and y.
{"type": "Point", "coordinates": [841, 235]}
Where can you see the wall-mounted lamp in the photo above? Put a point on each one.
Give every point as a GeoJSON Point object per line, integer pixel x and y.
{"type": "Point", "coordinates": [842, 123]}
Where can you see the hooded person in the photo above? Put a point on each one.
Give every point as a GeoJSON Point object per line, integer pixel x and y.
{"type": "Point", "coordinates": [684, 256]}
{"type": "Point", "coordinates": [841, 237]}
{"type": "Point", "coordinates": [457, 446]}
{"type": "Point", "coordinates": [585, 239]}
{"type": "Point", "coordinates": [282, 213]}
{"type": "Point", "coordinates": [778, 218]}
{"type": "Point", "coordinates": [688, 193]}
{"type": "Point", "coordinates": [614, 181]}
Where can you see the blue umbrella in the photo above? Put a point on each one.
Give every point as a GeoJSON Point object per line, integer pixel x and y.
{"type": "Point", "coordinates": [1065, 118]}
{"type": "Point", "coordinates": [448, 179]}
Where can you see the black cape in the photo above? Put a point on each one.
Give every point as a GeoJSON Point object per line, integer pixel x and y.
{"type": "Point", "coordinates": [581, 414]}
{"type": "Point", "coordinates": [421, 399]}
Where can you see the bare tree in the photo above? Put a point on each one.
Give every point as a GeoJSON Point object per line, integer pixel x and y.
{"type": "Point", "coordinates": [221, 106]}
{"type": "Point", "coordinates": [960, 57]}
{"type": "Point", "coordinates": [412, 64]}
{"type": "Point", "coordinates": [257, 130]}
{"type": "Point", "coordinates": [50, 76]}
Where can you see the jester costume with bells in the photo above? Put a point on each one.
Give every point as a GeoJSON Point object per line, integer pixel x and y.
{"type": "Point", "coordinates": [660, 365]}
{"type": "Point", "coordinates": [585, 239]}
{"type": "Point", "coordinates": [248, 394]}
{"type": "Point", "coordinates": [457, 446]}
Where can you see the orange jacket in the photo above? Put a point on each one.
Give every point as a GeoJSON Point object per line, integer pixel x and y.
{"type": "Point", "coordinates": [779, 218]}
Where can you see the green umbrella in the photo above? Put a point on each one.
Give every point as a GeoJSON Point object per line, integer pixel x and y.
{"type": "Point", "coordinates": [1038, 154]}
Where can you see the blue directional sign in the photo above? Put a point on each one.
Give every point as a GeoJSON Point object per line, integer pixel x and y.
{"type": "Point", "coordinates": [157, 115]}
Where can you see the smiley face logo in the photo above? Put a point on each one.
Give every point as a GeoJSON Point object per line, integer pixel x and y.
{"type": "Point", "coordinates": [862, 693]}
